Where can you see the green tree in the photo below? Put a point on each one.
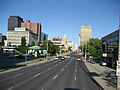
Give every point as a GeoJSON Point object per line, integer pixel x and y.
{"type": "Point", "coordinates": [33, 43]}
{"type": "Point", "coordinates": [23, 46]}
{"type": "Point", "coordinates": [69, 48]}
{"type": "Point", "coordinates": [52, 48]}
{"type": "Point", "coordinates": [95, 48]}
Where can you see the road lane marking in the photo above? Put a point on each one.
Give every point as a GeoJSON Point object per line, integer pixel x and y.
{"type": "Point", "coordinates": [10, 88]}
{"type": "Point", "coordinates": [62, 69]}
{"type": "Point", "coordinates": [56, 65]}
{"type": "Point", "coordinates": [75, 78]}
{"type": "Point", "coordinates": [49, 68]}
{"type": "Point", "coordinates": [75, 70]}
{"type": "Point", "coordinates": [42, 89]}
{"type": "Point", "coordinates": [37, 75]}
{"type": "Point", "coordinates": [37, 67]}
{"type": "Point", "coordinates": [55, 77]}
{"type": "Point", "coordinates": [18, 75]}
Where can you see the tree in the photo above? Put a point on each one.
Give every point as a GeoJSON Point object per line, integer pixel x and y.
{"type": "Point", "coordinates": [38, 44]}
{"type": "Point", "coordinates": [69, 48]}
{"type": "Point", "coordinates": [33, 43]}
{"type": "Point", "coordinates": [23, 45]}
{"type": "Point", "coordinates": [95, 48]}
{"type": "Point", "coordinates": [52, 48]}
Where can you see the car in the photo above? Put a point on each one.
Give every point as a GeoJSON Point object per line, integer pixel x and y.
{"type": "Point", "coordinates": [103, 63]}
{"type": "Point", "coordinates": [61, 57]}
{"type": "Point", "coordinates": [78, 59]}
{"type": "Point", "coordinates": [56, 58]}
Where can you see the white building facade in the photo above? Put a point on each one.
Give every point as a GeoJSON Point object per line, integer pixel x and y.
{"type": "Point", "coordinates": [14, 37]}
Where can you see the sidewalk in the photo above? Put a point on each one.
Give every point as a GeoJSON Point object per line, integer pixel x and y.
{"type": "Point", "coordinates": [103, 75]}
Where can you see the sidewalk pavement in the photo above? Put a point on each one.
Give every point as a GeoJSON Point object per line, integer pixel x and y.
{"type": "Point", "coordinates": [105, 76]}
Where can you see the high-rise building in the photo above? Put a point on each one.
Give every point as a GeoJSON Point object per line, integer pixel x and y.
{"type": "Point", "coordinates": [85, 34]}
{"type": "Point", "coordinates": [14, 21]}
{"type": "Point", "coordinates": [35, 27]}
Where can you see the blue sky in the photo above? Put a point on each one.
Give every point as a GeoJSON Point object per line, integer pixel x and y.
{"type": "Point", "coordinates": [59, 17]}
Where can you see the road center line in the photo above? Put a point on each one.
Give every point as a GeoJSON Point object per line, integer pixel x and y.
{"type": "Point", "coordinates": [55, 77]}
{"type": "Point", "coordinates": [56, 65]}
{"type": "Point", "coordinates": [10, 88]}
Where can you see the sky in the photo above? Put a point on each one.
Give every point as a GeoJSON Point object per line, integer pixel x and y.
{"type": "Point", "coordinates": [59, 17]}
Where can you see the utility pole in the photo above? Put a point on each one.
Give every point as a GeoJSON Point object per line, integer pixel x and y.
{"type": "Point", "coordinates": [47, 50]}
{"type": "Point", "coordinates": [85, 52]}
{"type": "Point", "coordinates": [118, 74]}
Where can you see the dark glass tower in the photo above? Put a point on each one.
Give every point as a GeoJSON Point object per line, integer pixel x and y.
{"type": "Point", "coordinates": [14, 21]}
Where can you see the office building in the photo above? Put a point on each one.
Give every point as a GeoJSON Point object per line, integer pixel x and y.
{"type": "Point", "coordinates": [14, 37]}
{"type": "Point", "coordinates": [85, 34]}
{"type": "Point", "coordinates": [14, 21]}
{"type": "Point", "coordinates": [61, 42]}
{"type": "Point", "coordinates": [35, 27]}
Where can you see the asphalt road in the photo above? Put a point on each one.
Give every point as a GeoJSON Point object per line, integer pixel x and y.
{"type": "Point", "coordinates": [69, 74]}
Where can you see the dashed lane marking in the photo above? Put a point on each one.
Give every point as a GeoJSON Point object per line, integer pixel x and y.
{"type": "Point", "coordinates": [55, 77]}
{"type": "Point", "coordinates": [75, 78]}
{"type": "Point", "coordinates": [10, 88]}
{"type": "Point", "coordinates": [37, 75]}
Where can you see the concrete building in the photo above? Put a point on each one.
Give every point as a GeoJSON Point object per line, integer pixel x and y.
{"type": "Point", "coordinates": [61, 42]}
{"type": "Point", "coordinates": [74, 46]}
{"type": "Point", "coordinates": [35, 27]}
{"type": "Point", "coordinates": [14, 21]}
{"type": "Point", "coordinates": [14, 37]}
{"type": "Point", "coordinates": [85, 34]}
{"type": "Point", "coordinates": [110, 44]}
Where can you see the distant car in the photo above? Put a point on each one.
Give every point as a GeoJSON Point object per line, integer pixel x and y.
{"type": "Point", "coordinates": [103, 63]}
{"type": "Point", "coordinates": [67, 57]}
{"type": "Point", "coordinates": [56, 58]}
{"type": "Point", "coordinates": [78, 59]}
{"type": "Point", "coordinates": [62, 58]}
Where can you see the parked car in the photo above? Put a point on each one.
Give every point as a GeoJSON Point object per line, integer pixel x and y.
{"type": "Point", "coordinates": [61, 57]}
{"type": "Point", "coordinates": [103, 63]}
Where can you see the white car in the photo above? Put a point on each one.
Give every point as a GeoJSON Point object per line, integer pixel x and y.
{"type": "Point", "coordinates": [103, 63]}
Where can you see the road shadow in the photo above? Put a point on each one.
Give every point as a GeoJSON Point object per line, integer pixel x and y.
{"type": "Point", "coordinates": [110, 78]}
{"type": "Point", "coordinates": [8, 62]}
{"type": "Point", "coordinates": [72, 89]}
{"type": "Point", "coordinates": [4, 68]}
{"type": "Point", "coordinates": [94, 74]}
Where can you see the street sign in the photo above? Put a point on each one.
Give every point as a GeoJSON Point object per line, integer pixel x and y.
{"type": "Point", "coordinates": [118, 68]}
{"type": "Point", "coordinates": [44, 51]}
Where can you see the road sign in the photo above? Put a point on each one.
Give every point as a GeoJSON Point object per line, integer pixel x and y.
{"type": "Point", "coordinates": [44, 51]}
{"type": "Point", "coordinates": [118, 68]}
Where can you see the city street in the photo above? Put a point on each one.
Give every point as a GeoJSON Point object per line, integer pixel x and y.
{"type": "Point", "coordinates": [69, 74]}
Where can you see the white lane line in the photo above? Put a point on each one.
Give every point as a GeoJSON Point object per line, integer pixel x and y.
{"type": "Point", "coordinates": [37, 67]}
{"type": "Point", "coordinates": [42, 89]}
{"type": "Point", "coordinates": [75, 78]}
{"type": "Point", "coordinates": [10, 88]}
{"type": "Point", "coordinates": [62, 69]}
{"type": "Point", "coordinates": [75, 70]}
{"type": "Point", "coordinates": [37, 75]}
{"type": "Point", "coordinates": [56, 65]}
{"type": "Point", "coordinates": [49, 68]}
{"type": "Point", "coordinates": [18, 75]}
{"type": "Point", "coordinates": [55, 77]}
